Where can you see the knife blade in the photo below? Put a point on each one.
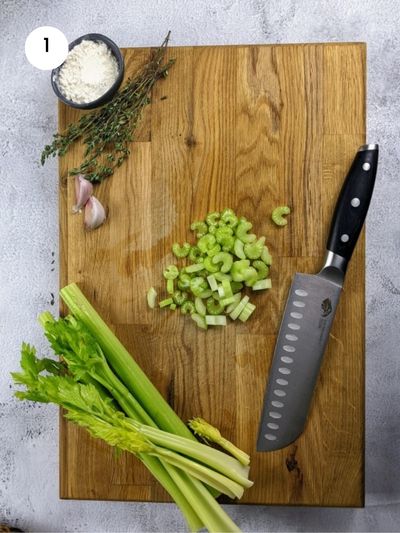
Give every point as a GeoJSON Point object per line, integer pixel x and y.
{"type": "Point", "coordinates": [310, 310]}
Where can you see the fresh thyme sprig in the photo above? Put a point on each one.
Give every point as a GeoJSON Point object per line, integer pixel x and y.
{"type": "Point", "coordinates": [108, 131]}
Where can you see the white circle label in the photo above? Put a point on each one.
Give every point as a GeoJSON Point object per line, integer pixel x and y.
{"type": "Point", "coordinates": [46, 47]}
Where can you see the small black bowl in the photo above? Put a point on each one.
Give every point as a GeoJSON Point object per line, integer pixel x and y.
{"type": "Point", "coordinates": [106, 97]}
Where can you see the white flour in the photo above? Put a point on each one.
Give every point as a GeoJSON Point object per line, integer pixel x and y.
{"type": "Point", "coordinates": [88, 72]}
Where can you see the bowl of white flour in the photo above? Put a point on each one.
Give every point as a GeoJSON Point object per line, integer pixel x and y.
{"type": "Point", "coordinates": [91, 74]}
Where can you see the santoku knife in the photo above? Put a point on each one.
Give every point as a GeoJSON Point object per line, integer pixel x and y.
{"type": "Point", "coordinates": [309, 312]}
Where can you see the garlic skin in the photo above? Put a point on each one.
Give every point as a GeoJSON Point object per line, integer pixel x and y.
{"type": "Point", "coordinates": [95, 213]}
{"type": "Point", "coordinates": [83, 191]}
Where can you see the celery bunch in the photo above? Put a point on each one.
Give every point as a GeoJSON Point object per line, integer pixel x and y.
{"type": "Point", "coordinates": [104, 390]}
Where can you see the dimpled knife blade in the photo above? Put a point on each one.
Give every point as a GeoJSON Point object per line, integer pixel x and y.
{"type": "Point", "coordinates": [310, 310]}
{"type": "Point", "coordinates": [304, 332]}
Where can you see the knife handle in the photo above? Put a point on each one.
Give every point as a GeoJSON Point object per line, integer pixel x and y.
{"type": "Point", "coordinates": [353, 202]}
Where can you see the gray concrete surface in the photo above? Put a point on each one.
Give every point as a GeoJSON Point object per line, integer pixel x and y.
{"type": "Point", "coordinates": [29, 247]}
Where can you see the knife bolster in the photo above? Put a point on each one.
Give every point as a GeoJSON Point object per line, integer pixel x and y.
{"type": "Point", "coordinates": [334, 268]}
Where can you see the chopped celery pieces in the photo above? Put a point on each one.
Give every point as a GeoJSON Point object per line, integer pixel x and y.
{"type": "Point", "coordinates": [200, 306]}
{"type": "Point", "coordinates": [247, 311]}
{"type": "Point", "coordinates": [166, 302]}
{"type": "Point", "coordinates": [200, 320]}
{"type": "Point", "coordinates": [216, 320]}
{"type": "Point", "coordinates": [212, 282]}
{"type": "Point", "coordinates": [224, 259]}
{"type": "Point", "coordinates": [262, 284]}
{"type": "Point", "coordinates": [239, 308]}
{"type": "Point", "coordinates": [151, 297]}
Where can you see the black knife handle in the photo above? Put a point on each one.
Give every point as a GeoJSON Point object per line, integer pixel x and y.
{"type": "Point", "coordinates": [353, 202]}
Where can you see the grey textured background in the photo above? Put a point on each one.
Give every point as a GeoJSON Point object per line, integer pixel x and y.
{"type": "Point", "coordinates": [29, 247]}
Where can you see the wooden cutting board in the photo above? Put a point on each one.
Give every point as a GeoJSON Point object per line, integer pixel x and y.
{"type": "Point", "coordinates": [250, 127]}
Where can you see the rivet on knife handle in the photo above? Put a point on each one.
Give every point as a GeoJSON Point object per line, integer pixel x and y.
{"type": "Point", "coordinates": [309, 313]}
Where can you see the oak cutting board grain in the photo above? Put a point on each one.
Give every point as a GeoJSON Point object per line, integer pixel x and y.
{"type": "Point", "coordinates": [250, 127]}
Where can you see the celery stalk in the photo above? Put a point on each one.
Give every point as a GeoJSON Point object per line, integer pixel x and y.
{"type": "Point", "coordinates": [213, 458]}
{"type": "Point", "coordinates": [123, 364]}
{"type": "Point", "coordinates": [201, 472]}
{"type": "Point", "coordinates": [127, 370]}
{"type": "Point", "coordinates": [89, 406]}
{"type": "Point", "coordinates": [165, 474]}
{"type": "Point", "coordinates": [211, 514]}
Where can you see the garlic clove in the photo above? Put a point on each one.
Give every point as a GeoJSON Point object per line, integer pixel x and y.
{"type": "Point", "coordinates": [83, 191]}
{"type": "Point", "coordinates": [95, 213]}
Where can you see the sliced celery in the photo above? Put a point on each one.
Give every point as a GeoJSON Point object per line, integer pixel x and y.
{"type": "Point", "coordinates": [198, 285]}
{"type": "Point", "coordinates": [229, 218]}
{"type": "Point", "coordinates": [200, 307]}
{"type": "Point", "coordinates": [209, 265]}
{"type": "Point", "coordinates": [236, 286]}
{"type": "Point", "coordinates": [228, 301]}
{"type": "Point", "coordinates": [262, 269]}
{"type": "Point", "coordinates": [206, 242]}
{"type": "Point", "coordinates": [239, 268]}
{"type": "Point", "coordinates": [241, 231]}
{"type": "Point", "coordinates": [238, 248]}
{"type": "Point", "coordinates": [250, 276]}
{"type": "Point", "coordinates": [194, 268]}
{"type": "Point", "coordinates": [166, 302]}
{"type": "Point", "coordinates": [219, 276]}
{"type": "Point", "coordinates": [195, 255]}
{"type": "Point", "coordinates": [227, 288]}
{"type": "Point", "coordinates": [236, 299]}
{"type": "Point", "coordinates": [200, 226]}
{"type": "Point", "coordinates": [180, 297]}
{"type": "Point", "coordinates": [239, 308]}
{"type": "Point", "coordinates": [278, 215]}
{"type": "Point", "coordinates": [206, 294]}
{"type": "Point", "coordinates": [170, 286]}
{"type": "Point", "coordinates": [216, 320]}
{"type": "Point", "coordinates": [266, 256]}
{"type": "Point", "coordinates": [226, 256]}
{"type": "Point", "coordinates": [187, 308]}
{"type": "Point", "coordinates": [253, 250]}
{"type": "Point", "coordinates": [212, 218]}
{"type": "Point", "coordinates": [171, 272]}
{"type": "Point", "coordinates": [200, 320]}
{"type": "Point", "coordinates": [214, 307]}
{"type": "Point", "coordinates": [151, 297]}
{"type": "Point", "coordinates": [221, 291]}
{"type": "Point", "coordinates": [225, 259]}
{"type": "Point", "coordinates": [247, 311]}
{"type": "Point", "coordinates": [184, 280]}
{"type": "Point", "coordinates": [181, 251]}
{"type": "Point", "coordinates": [212, 282]}
{"type": "Point", "coordinates": [214, 250]}
{"type": "Point", "coordinates": [262, 284]}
